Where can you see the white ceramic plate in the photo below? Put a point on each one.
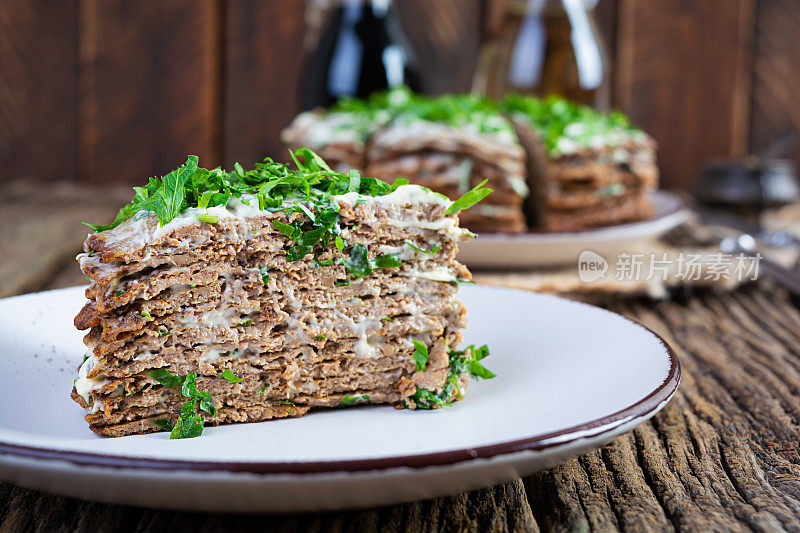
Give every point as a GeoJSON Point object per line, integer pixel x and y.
{"type": "Point", "coordinates": [570, 378]}
{"type": "Point", "coordinates": [528, 250]}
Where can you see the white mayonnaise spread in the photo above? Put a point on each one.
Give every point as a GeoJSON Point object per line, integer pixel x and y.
{"type": "Point", "coordinates": [83, 385]}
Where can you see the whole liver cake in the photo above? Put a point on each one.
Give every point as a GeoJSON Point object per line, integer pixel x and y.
{"type": "Point", "coordinates": [554, 165]}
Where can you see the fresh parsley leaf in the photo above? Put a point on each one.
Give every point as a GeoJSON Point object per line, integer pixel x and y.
{"type": "Point", "coordinates": [207, 405]}
{"type": "Point", "coordinates": [387, 261]}
{"type": "Point", "coordinates": [207, 218]}
{"type": "Point", "coordinates": [189, 387]}
{"type": "Point", "coordinates": [359, 264]}
{"type": "Point", "coordinates": [460, 362]}
{"type": "Point", "coordinates": [188, 426]}
{"type": "Point", "coordinates": [420, 355]}
{"type": "Point", "coordinates": [230, 376]}
{"type": "Point", "coordinates": [478, 193]}
{"type": "Point", "coordinates": [166, 378]}
{"type": "Point", "coordinates": [288, 230]}
{"type": "Point", "coordinates": [433, 249]}
{"type": "Point", "coordinates": [164, 424]}
{"type": "Point", "coordinates": [347, 401]}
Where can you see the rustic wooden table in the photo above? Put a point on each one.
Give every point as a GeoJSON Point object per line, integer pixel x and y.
{"type": "Point", "coordinates": [724, 455]}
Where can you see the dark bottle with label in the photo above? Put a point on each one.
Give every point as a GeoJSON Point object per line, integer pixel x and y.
{"type": "Point", "coordinates": [362, 49]}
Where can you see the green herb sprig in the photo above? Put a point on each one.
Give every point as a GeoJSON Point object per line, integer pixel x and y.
{"type": "Point", "coordinates": [190, 419]}
{"type": "Point", "coordinates": [461, 362]}
{"type": "Point", "coordinates": [348, 401]}
{"type": "Point", "coordinates": [307, 191]}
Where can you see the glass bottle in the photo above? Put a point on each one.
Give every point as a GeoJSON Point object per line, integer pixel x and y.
{"type": "Point", "coordinates": [362, 49]}
{"type": "Point", "coordinates": [545, 47]}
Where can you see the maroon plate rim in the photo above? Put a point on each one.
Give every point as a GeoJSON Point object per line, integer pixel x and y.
{"type": "Point", "coordinates": [595, 428]}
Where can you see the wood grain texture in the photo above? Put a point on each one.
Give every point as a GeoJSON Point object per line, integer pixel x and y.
{"type": "Point", "coordinates": [148, 87]}
{"type": "Point", "coordinates": [38, 89]}
{"type": "Point", "coordinates": [41, 232]}
{"type": "Point", "coordinates": [683, 74]}
{"type": "Point", "coordinates": [723, 455]}
{"type": "Point", "coordinates": [777, 75]}
{"type": "Point", "coordinates": [263, 59]}
{"type": "Point", "coordinates": [444, 36]}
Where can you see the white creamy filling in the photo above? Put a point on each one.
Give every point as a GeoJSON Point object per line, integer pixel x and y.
{"type": "Point", "coordinates": [439, 273]}
{"type": "Point", "coordinates": [402, 196]}
{"type": "Point", "coordinates": [247, 206]}
{"type": "Point", "coordinates": [83, 385]}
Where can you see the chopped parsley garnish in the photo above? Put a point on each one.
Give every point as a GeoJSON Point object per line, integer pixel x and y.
{"type": "Point", "coordinates": [478, 193]}
{"type": "Point", "coordinates": [307, 191]}
{"type": "Point", "coordinates": [163, 333]}
{"type": "Point", "coordinates": [460, 363]}
{"type": "Point", "coordinates": [145, 314]}
{"type": "Point", "coordinates": [207, 218]}
{"type": "Point", "coordinates": [285, 402]}
{"type": "Point", "coordinates": [433, 249]}
{"type": "Point", "coordinates": [320, 338]}
{"type": "Point", "coordinates": [264, 271]}
{"type": "Point", "coordinates": [359, 264]}
{"type": "Point", "coordinates": [119, 292]}
{"type": "Point", "coordinates": [166, 196]}
{"type": "Point", "coordinates": [420, 355]}
{"type": "Point", "coordinates": [246, 323]}
{"type": "Point", "coordinates": [190, 419]}
{"type": "Point", "coordinates": [402, 105]}
{"type": "Point", "coordinates": [565, 126]}
{"type": "Point", "coordinates": [263, 390]}
{"type": "Point", "coordinates": [230, 376]}
{"type": "Point", "coordinates": [347, 401]}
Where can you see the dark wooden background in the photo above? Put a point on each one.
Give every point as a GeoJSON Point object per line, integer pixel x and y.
{"type": "Point", "coordinates": [103, 91]}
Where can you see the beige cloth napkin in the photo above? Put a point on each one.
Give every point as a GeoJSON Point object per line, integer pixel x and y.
{"type": "Point", "coordinates": [688, 256]}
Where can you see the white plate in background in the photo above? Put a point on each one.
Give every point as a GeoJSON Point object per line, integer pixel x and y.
{"type": "Point", "coordinates": [539, 249]}
{"type": "Point", "coordinates": [557, 394]}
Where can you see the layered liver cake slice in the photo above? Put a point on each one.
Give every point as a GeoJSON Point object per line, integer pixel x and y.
{"type": "Point", "coordinates": [222, 297]}
{"type": "Point", "coordinates": [586, 168]}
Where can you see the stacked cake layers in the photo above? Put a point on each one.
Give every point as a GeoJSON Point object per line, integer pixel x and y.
{"type": "Point", "coordinates": [587, 169]}
{"type": "Point", "coordinates": [453, 158]}
{"type": "Point", "coordinates": [339, 138]}
{"type": "Point", "coordinates": [267, 336]}
{"type": "Point", "coordinates": [584, 168]}
{"type": "Point", "coordinates": [448, 144]}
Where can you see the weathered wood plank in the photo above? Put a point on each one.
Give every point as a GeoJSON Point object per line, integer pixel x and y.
{"type": "Point", "coordinates": [148, 87]}
{"type": "Point", "coordinates": [38, 89]}
{"type": "Point", "coordinates": [263, 59]}
{"type": "Point", "coordinates": [776, 75]}
{"type": "Point", "coordinates": [41, 232]}
{"type": "Point", "coordinates": [683, 74]}
{"type": "Point", "coordinates": [500, 508]}
{"type": "Point", "coordinates": [444, 36]}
